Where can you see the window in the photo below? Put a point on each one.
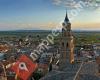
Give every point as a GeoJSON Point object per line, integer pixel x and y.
{"type": "Point", "coordinates": [62, 44]}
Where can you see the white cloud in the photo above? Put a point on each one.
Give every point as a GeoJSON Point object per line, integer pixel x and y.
{"type": "Point", "coordinates": [73, 3]}
{"type": "Point", "coordinates": [57, 2]}
{"type": "Point", "coordinates": [98, 10]}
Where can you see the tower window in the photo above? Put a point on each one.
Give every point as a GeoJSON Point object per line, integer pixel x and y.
{"type": "Point", "coordinates": [67, 44]}
{"type": "Point", "coordinates": [63, 44]}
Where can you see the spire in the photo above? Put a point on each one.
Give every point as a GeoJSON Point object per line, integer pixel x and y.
{"type": "Point", "coordinates": [66, 18]}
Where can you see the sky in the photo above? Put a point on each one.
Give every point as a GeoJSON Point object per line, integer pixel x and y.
{"type": "Point", "coordinates": [48, 14]}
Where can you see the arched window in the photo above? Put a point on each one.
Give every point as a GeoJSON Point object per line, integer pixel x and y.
{"type": "Point", "coordinates": [62, 44]}
{"type": "Point", "coordinates": [67, 45]}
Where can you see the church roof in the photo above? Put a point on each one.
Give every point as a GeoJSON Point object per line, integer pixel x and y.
{"type": "Point", "coordinates": [66, 18]}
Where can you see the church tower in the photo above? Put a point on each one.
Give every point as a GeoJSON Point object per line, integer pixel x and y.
{"type": "Point", "coordinates": [67, 42]}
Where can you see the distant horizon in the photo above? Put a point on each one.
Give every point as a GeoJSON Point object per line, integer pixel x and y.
{"type": "Point", "coordinates": [46, 14]}
{"type": "Point", "coordinates": [45, 30]}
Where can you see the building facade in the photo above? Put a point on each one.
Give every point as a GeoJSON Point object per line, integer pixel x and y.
{"type": "Point", "coordinates": [67, 42]}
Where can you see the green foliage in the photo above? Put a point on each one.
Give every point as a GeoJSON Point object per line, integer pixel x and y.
{"type": "Point", "coordinates": [80, 37]}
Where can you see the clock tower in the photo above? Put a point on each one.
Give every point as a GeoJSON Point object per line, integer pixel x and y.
{"type": "Point", "coordinates": [67, 42]}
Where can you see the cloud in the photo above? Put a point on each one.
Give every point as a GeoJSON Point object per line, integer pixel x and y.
{"type": "Point", "coordinates": [98, 10]}
{"type": "Point", "coordinates": [57, 2]}
{"type": "Point", "coordinates": [70, 4]}
{"type": "Point", "coordinates": [64, 3]}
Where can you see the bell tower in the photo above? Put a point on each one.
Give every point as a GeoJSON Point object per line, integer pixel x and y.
{"type": "Point", "coordinates": [67, 42]}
